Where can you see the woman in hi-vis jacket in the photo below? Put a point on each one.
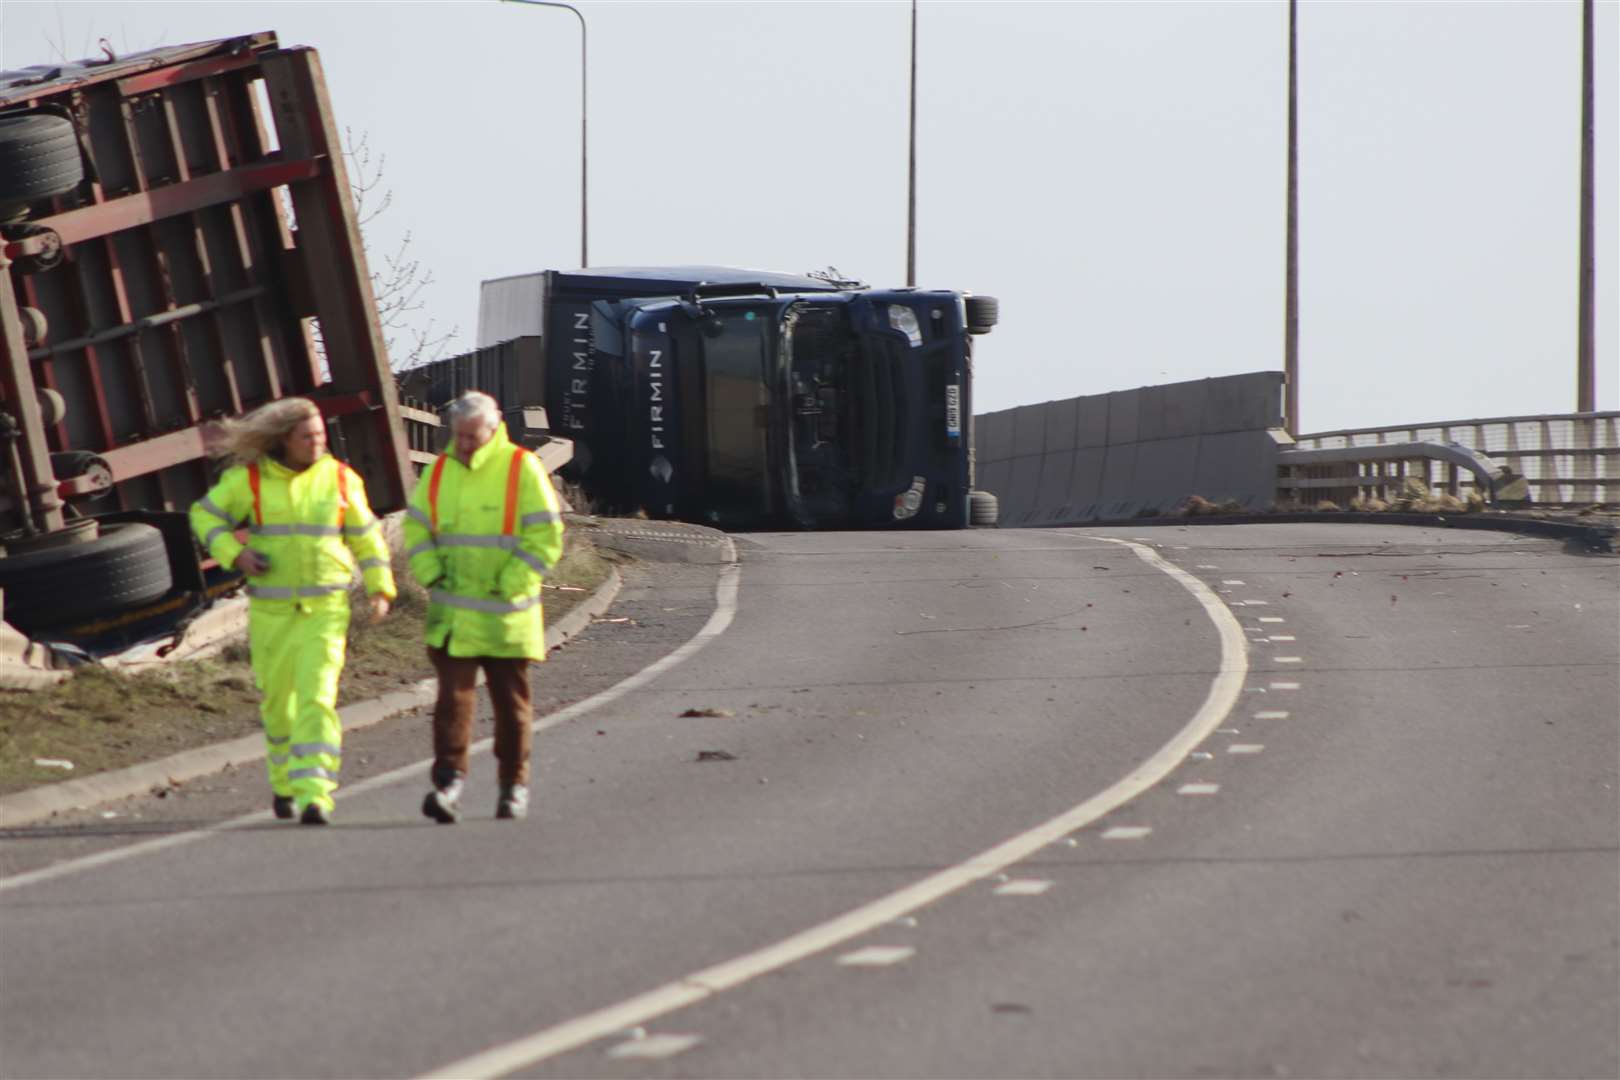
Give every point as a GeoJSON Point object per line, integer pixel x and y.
{"type": "Point", "coordinates": [309, 526]}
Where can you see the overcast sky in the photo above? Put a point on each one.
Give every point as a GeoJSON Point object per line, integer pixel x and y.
{"type": "Point", "coordinates": [1114, 172]}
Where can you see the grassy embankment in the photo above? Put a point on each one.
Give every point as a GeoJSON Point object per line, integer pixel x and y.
{"type": "Point", "coordinates": [102, 719]}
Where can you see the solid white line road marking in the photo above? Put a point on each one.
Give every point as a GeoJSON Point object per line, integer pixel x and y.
{"type": "Point", "coordinates": [1023, 887]}
{"type": "Point", "coordinates": [655, 1046]}
{"type": "Point", "coordinates": [877, 956]}
{"type": "Point", "coordinates": [1289, 659]}
{"type": "Point", "coordinates": [1272, 618]}
{"type": "Point", "coordinates": [1282, 637]}
{"type": "Point", "coordinates": [1271, 714]}
{"type": "Point", "coordinates": [1127, 832]}
{"type": "Point", "coordinates": [1224, 691]}
{"type": "Point", "coordinates": [1285, 686]}
{"type": "Point", "coordinates": [1245, 748]}
{"type": "Point", "coordinates": [725, 610]}
{"type": "Point", "coordinates": [1198, 789]}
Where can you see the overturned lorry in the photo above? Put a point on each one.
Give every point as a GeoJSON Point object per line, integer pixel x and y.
{"type": "Point", "coordinates": [177, 244]}
{"type": "Point", "coordinates": [747, 398]}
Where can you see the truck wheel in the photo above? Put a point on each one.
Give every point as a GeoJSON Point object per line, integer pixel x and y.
{"type": "Point", "coordinates": [127, 565]}
{"type": "Point", "coordinates": [984, 509]}
{"type": "Point", "coordinates": [983, 312]}
{"type": "Point", "coordinates": [39, 157]}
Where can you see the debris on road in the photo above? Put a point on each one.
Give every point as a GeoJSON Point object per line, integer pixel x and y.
{"type": "Point", "coordinates": [716, 755]}
{"type": "Point", "coordinates": [717, 713]}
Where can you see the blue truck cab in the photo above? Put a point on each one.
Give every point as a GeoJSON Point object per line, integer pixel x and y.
{"type": "Point", "coordinates": [748, 399]}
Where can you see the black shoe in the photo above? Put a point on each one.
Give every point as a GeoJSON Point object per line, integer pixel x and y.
{"type": "Point", "coordinates": [282, 805]}
{"type": "Point", "coordinates": [443, 804]}
{"type": "Point", "coordinates": [514, 803]}
{"type": "Point", "coordinates": [316, 814]}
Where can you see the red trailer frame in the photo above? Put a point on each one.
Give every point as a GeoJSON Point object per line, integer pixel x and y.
{"type": "Point", "coordinates": [212, 243]}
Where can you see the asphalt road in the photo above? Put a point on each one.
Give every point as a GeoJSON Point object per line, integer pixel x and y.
{"type": "Point", "coordinates": [1397, 853]}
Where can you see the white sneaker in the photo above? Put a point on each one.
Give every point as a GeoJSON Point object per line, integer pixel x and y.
{"type": "Point", "coordinates": [514, 803]}
{"type": "Point", "coordinates": [444, 804]}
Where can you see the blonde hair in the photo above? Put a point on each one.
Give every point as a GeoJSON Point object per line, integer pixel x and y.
{"type": "Point", "coordinates": [250, 438]}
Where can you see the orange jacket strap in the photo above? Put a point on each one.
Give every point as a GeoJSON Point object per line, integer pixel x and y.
{"type": "Point", "coordinates": [343, 493]}
{"type": "Point", "coordinates": [253, 482]}
{"type": "Point", "coordinates": [433, 491]}
{"type": "Point", "coordinates": [513, 475]}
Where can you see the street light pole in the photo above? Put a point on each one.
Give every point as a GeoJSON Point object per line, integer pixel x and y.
{"type": "Point", "coordinates": [911, 172]}
{"type": "Point", "coordinates": [1586, 358]}
{"type": "Point", "coordinates": [584, 211]}
{"type": "Point", "coordinates": [1291, 303]}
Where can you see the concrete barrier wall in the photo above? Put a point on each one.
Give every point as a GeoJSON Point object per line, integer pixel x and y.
{"type": "Point", "coordinates": [1110, 457]}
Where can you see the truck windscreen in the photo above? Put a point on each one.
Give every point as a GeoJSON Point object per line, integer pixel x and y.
{"type": "Point", "coordinates": [738, 398]}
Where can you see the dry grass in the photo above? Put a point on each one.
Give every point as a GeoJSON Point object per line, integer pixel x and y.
{"type": "Point", "coordinates": [1197, 505]}
{"type": "Point", "coordinates": [103, 719]}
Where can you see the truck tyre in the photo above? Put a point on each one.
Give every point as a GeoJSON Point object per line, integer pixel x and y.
{"type": "Point", "coordinates": [984, 509]}
{"type": "Point", "coordinates": [39, 157]}
{"type": "Point", "coordinates": [983, 312]}
{"type": "Point", "coordinates": [127, 565]}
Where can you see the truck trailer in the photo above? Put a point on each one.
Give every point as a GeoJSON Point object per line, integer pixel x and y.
{"type": "Point", "coordinates": [177, 237]}
{"type": "Point", "coordinates": [755, 399]}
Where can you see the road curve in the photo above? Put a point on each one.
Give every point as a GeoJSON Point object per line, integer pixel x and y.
{"type": "Point", "coordinates": [1397, 857]}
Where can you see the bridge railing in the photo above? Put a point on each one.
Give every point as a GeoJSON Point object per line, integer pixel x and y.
{"type": "Point", "coordinates": [1567, 459]}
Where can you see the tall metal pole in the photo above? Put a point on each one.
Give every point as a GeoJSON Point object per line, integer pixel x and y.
{"type": "Point", "coordinates": [1291, 315]}
{"type": "Point", "coordinates": [584, 142]}
{"type": "Point", "coordinates": [911, 175]}
{"type": "Point", "coordinates": [1586, 358]}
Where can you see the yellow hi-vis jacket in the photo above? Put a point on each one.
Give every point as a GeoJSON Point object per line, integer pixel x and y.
{"type": "Point", "coordinates": [480, 538]}
{"type": "Point", "coordinates": [314, 526]}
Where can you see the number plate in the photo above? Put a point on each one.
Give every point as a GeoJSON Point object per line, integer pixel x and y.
{"type": "Point", "coordinates": [953, 410]}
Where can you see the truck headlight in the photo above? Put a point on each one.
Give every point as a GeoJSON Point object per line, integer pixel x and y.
{"type": "Point", "coordinates": [904, 319]}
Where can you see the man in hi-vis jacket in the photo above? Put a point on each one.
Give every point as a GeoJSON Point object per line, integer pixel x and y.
{"type": "Point", "coordinates": [482, 529]}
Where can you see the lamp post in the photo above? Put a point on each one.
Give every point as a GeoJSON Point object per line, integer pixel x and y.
{"type": "Point", "coordinates": [1585, 356]}
{"type": "Point", "coordinates": [584, 215]}
{"type": "Point", "coordinates": [911, 171]}
{"type": "Point", "coordinates": [1291, 301]}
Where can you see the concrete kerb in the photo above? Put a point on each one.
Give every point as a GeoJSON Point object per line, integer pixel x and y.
{"type": "Point", "coordinates": [42, 802]}
{"type": "Point", "coordinates": [1595, 538]}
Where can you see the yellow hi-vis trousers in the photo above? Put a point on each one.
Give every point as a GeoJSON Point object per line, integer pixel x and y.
{"type": "Point", "coordinates": [298, 649]}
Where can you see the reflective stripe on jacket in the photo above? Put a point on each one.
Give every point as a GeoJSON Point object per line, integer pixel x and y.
{"type": "Point", "coordinates": [480, 538]}
{"type": "Point", "coordinates": [314, 526]}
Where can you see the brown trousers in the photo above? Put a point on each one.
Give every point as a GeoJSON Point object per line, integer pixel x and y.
{"type": "Point", "coordinates": [458, 697]}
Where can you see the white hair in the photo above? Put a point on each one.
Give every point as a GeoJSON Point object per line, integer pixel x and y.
{"type": "Point", "coordinates": [474, 404]}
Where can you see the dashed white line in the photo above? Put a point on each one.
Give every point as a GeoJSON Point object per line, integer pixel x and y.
{"type": "Point", "coordinates": [1285, 686]}
{"type": "Point", "coordinates": [877, 956]}
{"type": "Point", "coordinates": [655, 1046]}
{"type": "Point", "coordinates": [1127, 832]}
{"type": "Point", "coordinates": [1271, 714]}
{"type": "Point", "coordinates": [1198, 789]}
{"type": "Point", "coordinates": [1258, 603]}
{"type": "Point", "coordinates": [1023, 887]}
{"type": "Point", "coordinates": [1272, 618]}
{"type": "Point", "coordinates": [1245, 748]}
{"type": "Point", "coordinates": [1281, 637]}
{"type": "Point", "coordinates": [1234, 581]}
{"type": "Point", "coordinates": [1289, 659]}
{"type": "Point", "coordinates": [1224, 692]}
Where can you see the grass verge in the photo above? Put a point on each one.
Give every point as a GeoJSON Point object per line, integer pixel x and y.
{"type": "Point", "coordinates": [104, 719]}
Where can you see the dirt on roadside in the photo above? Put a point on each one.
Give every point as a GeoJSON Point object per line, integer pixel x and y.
{"type": "Point", "coordinates": [103, 719]}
